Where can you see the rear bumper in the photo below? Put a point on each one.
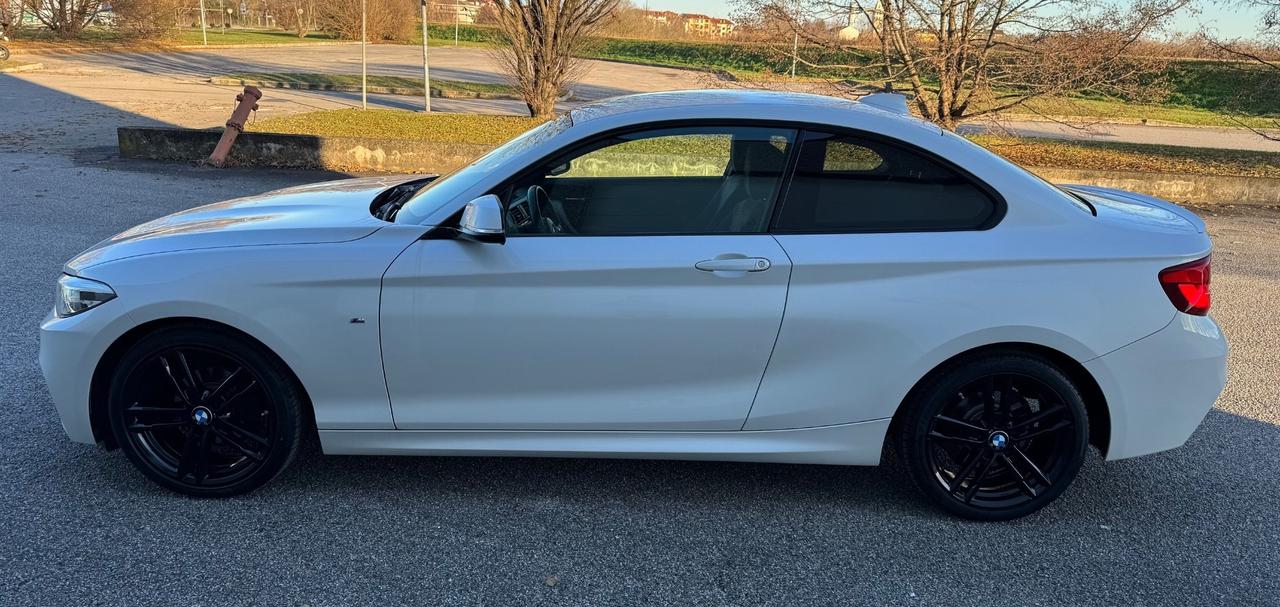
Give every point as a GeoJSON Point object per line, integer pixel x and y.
{"type": "Point", "coordinates": [1160, 388]}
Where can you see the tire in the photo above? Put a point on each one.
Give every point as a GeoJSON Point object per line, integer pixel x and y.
{"type": "Point", "coordinates": [205, 412]}
{"type": "Point", "coordinates": [4, 53]}
{"type": "Point", "coordinates": [994, 438]}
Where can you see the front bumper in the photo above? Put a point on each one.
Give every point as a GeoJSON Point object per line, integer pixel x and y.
{"type": "Point", "coordinates": [70, 349]}
{"type": "Point", "coordinates": [1160, 388]}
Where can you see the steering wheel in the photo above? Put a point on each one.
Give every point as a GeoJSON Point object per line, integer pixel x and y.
{"type": "Point", "coordinates": [558, 220]}
{"type": "Point", "coordinates": [546, 214]}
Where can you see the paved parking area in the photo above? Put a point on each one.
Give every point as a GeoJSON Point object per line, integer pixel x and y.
{"type": "Point", "coordinates": [1199, 525]}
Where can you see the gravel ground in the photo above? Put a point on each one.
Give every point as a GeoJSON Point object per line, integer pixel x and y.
{"type": "Point", "coordinates": [1197, 525]}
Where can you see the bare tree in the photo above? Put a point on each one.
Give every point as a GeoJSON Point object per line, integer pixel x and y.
{"type": "Point", "coordinates": [968, 58]}
{"type": "Point", "coordinates": [1259, 56]}
{"type": "Point", "coordinates": [65, 17]}
{"type": "Point", "coordinates": [293, 15]}
{"type": "Point", "coordinates": [546, 37]}
{"type": "Point", "coordinates": [9, 16]}
{"type": "Point", "coordinates": [146, 18]}
{"type": "Point", "coordinates": [387, 19]}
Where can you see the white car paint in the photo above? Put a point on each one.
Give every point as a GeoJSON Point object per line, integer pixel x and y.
{"type": "Point", "coordinates": [617, 347]}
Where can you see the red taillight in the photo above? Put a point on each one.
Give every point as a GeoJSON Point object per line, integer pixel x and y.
{"type": "Point", "coordinates": [1187, 286]}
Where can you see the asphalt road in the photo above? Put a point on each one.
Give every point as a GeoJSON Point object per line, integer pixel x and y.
{"type": "Point", "coordinates": [1198, 525]}
{"type": "Point", "coordinates": [172, 87]}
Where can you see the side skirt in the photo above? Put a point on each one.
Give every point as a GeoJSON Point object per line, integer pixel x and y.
{"type": "Point", "coordinates": [857, 444]}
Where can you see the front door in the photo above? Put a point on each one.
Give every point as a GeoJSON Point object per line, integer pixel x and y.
{"type": "Point", "coordinates": [613, 305]}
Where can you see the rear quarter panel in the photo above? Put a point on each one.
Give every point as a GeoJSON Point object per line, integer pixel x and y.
{"type": "Point", "coordinates": [868, 315]}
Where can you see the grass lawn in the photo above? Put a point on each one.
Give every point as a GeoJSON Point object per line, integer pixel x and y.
{"type": "Point", "coordinates": [492, 130]}
{"type": "Point", "coordinates": [12, 63]}
{"type": "Point", "coordinates": [236, 36]}
{"type": "Point", "coordinates": [1134, 112]}
{"type": "Point", "coordinates": [396, 124]}
{"type": "Point", "coordinates": [442, 88]}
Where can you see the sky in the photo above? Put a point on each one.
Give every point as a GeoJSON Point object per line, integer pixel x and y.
{"type": "Point", "coordinates": [1229, 20]}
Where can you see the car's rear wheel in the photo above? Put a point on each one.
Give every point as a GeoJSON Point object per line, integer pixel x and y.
{"type": "Point", "coordinates": [205, 412]}
{"type": "Point", "coordinates": [996, 437]}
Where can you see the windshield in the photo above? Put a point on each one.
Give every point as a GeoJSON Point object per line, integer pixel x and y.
{"type": "Point", "coordinates": [429, 199]}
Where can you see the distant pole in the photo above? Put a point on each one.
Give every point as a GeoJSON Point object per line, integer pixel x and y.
{"type": "Point", "coordinates": [426, 68]}
{"type": "Point", "coordinates": [364, 58]}
{"type": "Point", "coordinates": [795, 53]}
{"type": "Point", "coordinates": [204, 30]}
{"type": "Point", "coordinates": [457, 8]}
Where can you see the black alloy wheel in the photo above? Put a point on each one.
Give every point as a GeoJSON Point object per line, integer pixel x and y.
{"type": "Point", "coordinates": [995, 438]}
{"type": "Point", "coordinates": [202, 412]}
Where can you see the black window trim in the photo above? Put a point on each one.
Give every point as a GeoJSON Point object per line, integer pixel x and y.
{"type": "Point", "coordinates": [801, 129]}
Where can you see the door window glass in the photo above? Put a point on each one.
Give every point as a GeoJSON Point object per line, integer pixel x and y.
{"type": "Point", "coordinates": [690, 180]}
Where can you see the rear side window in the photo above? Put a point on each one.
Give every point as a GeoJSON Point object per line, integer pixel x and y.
{"type": "Point", "coordinates": [849, 184]}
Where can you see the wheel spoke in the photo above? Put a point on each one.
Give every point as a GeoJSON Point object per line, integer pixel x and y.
{"type": "Point", "coordinates": [186, 368]}
{"type": "Point", "coordinates": [962, 424]}
{"type": "Point", "coordinates": [1061, 425]}
{"type": "Point", "coordinates": [934, 434]}
{"type": "Point", "coordinates": [1041, 416]}
{"type": "Point", "coordinates": [965, 471]}
{"type": "Point", "coordinates": [1035, 470]}
{"type": "Point", "coordinates": [231, 440]}
{"type": "Point", "coordinates": [147, 418]}
{"type": "Point", "coordinates": [195, 456]}
{"type": "Point", "coordinates": [224, 383]}
{"type": "Point", "coordinates": [1022, 481]}
{"type": "Point", "coordinates": [168, 370]}
{"type": "Point", "coordinates": [147, 427]}
{"type": "Point", "coordinates": [242, 433]}
{"type": "Point", "coordinates": [226, 402]}
{"type": "Point", "coordinates": [977, 480]}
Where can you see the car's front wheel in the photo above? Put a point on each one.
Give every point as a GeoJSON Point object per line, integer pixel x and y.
{"type": "Point", "coordinates": [205, 412]}
{"type": "Point", "coordinates": [996, 437]}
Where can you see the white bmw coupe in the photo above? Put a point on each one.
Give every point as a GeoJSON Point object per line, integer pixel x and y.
{"type": "Point", "coordinates": [718, 275]}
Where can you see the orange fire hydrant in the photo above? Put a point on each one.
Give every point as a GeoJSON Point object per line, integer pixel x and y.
{"type": "Point", "coordinates": [246, 102]}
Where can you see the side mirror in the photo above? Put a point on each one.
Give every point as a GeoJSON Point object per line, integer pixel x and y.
{"type": "Point", "coordinates": [482, 221]}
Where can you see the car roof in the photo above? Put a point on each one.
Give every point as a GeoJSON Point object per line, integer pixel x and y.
{"type": "Point", "coordinates": [743, 104]}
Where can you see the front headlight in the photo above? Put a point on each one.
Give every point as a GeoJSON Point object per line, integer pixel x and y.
{"type": "Point", "coordinates": [75, 295]}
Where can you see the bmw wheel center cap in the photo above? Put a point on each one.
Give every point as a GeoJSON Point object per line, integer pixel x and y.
{"type": "Point", "coordinates": [202, 416]}
{"type": "Point", "coordinates": [998, 440]}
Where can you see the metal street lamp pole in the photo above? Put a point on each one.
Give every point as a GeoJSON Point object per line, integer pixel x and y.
{"type": "Point", "coordinates": [364, 59]}
{"type": "Point", "coordinates": [795, 52]}
{"type": "Point", "coordinates": [204, 30]}
{"type": "Point", "coordinates": [426, 69]}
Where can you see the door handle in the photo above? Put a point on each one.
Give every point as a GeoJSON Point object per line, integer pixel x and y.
{"type": "Point", "coordinates": [740, 264]}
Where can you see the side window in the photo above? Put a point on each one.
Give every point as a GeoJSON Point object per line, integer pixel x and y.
{"type": "Point", "coordinates": [847, 184]}
{"type": "Point", "coordinates": [686, 180]}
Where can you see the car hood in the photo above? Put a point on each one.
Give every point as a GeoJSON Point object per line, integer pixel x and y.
{"type": "Point", "coordinates": [1138, 211]}
{"type": "Point", "coordinates": [334, 211]}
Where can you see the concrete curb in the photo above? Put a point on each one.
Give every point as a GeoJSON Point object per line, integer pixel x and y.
{"type": "Point", "coordinates": [380, 90]}
{"type": "Point", "coordinates": [362, 154]}
{"type": "Point", "coordinates": [351, 154]}
{"type": "Point", "coordinates": [1200, 189]}
{"type": "Point", "coordinates": [26, 67]}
